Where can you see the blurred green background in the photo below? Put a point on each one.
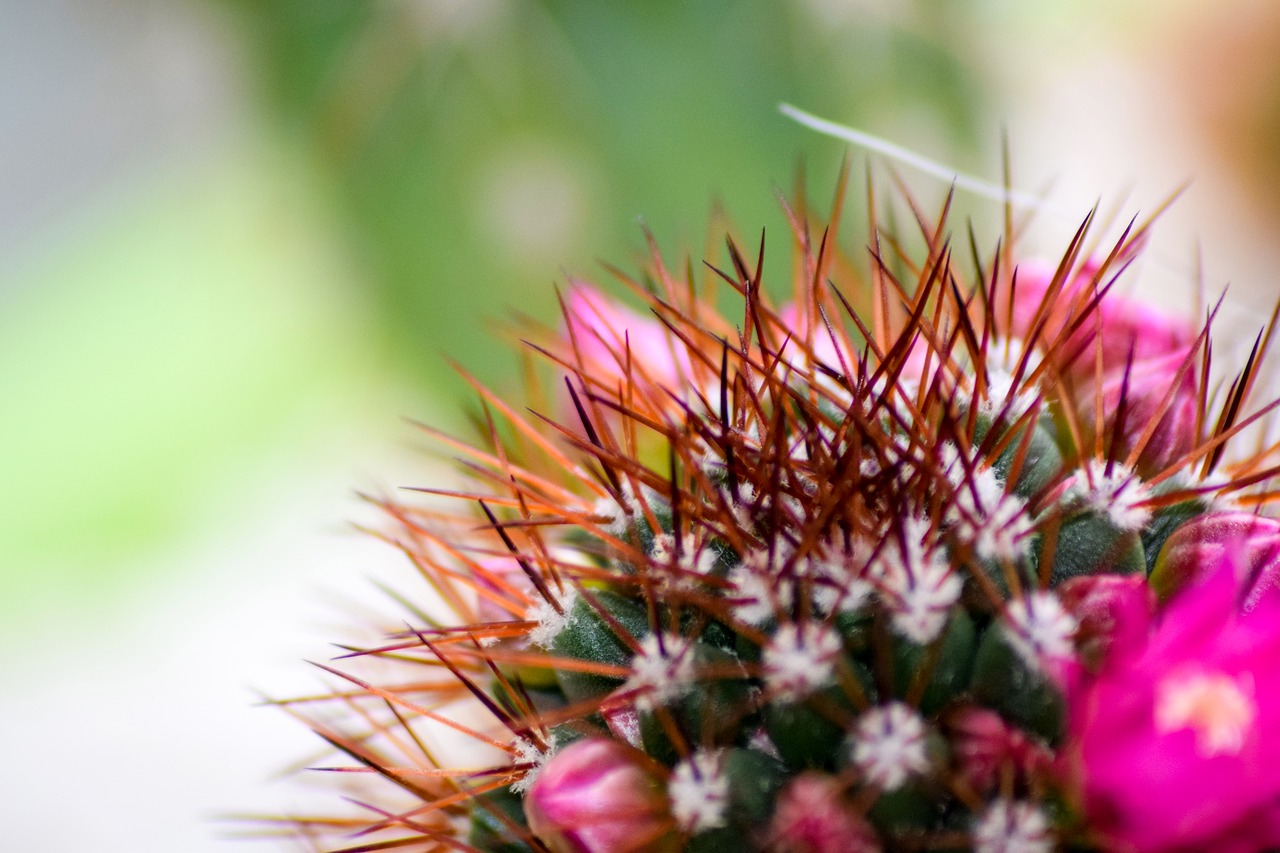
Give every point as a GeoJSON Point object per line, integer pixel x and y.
{"type": "Point", "coordinates": [473, 150]}
{"type": "Point", "coordinates": [385, 181]}
{"type": "Point", "coordinates": [239, 237]}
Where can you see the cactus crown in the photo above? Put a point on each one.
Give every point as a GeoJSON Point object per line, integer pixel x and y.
{"type": "Point", "coordinates": [828, 551]}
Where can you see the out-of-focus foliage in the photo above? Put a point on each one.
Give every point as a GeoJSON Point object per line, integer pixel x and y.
{"type": "Point", "coordinates": [196, 335]}
{"type": "Point", "coordinates": [477, 149]}
{"type": "Point", "coordinates": [428, 166]}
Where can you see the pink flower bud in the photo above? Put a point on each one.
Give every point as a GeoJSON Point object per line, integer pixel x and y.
{"type": "Point", "coordinates": [617, 348]}
{"type": "Point", "coordinates": [817, 340]}
{"type": "Point", "coordinates": [984, 744]}
{"type": "Point", "coordinates": [601, 796]}
{"type": "Point", "coordinates": [1134, 340]}
{"type": "Point", "coordinates": [1114, 612]}
{"type": "Point", "coordinates": [1129, 324]}
{"type": "Point", "coordinates": [813, 816]}
{"type": "Point", "coordinates": [604, 332]}
{"type": "Point", "coordinates": [1251, 542]}
{"type": "Point", "coordinates": [501, 586]}
{"type": "Point", "coordinates": [1144, 390]}
{"type": "Point", "coordinates": [1031, 287]}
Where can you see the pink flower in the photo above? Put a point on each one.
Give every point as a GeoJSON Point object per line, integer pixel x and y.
{"type": "Point", "coordinates": [617, 348]}
{"type": "Point", "coordinates": [605, 332]}
{"type": "Point", "coordinates": [1142, 351]}
{"type": "Point", "coordinates": [1176, 742]}
{"type": "Point", "coordinates": [836, 355]}
{"type": "Point", "coordinates": [1251, 541]}
{"type": "Point", "coordinates": [503, 590]}
{"type": "Point", "coordinates": [813, 816]}
{"type": "Point", "coordinates": [817, 340]}
{"type": "Point", "coordinates": [601, 796]}
{"type": "Point", "coordinates": [1122, 324]}
{"type": "Point", "coordinates": [1144, 386]}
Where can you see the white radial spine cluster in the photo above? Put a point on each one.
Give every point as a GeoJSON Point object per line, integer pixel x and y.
{"type": "Point", "coordinates": [702, 562]}
{"type": "Point", "coordinates": [663, 670]}
{"type": "Point", "coordinates": [838, 580]}
{"type": "Point", "coordinates": [1038, 627]}
{"type": "Point", "coordinates": [664, 550]}
{"type": "Point", "coordinates": [996, 523]}
{"type": "Point", "coordinates": [550, 620]}
{"type": "Point", "coordinates": [699, 792]}
{"type": "Point", "coordinates": [919, 585]}
{"type": "Point", "coordinates": [617, 514]}
{"type": "Point", "coordinates": [742, 509]}
{"type": "Point", "coordinates": [1221, 501]}
{"type": "Point", "coordinates": [1002, 356]}
{"type": "Point", "coordinates": [1118, 494]}
{"type": "Point", "coordinates": [685, 564]}
{"type": "Point", "coordinates": [888, 745]}
{"type": "Point", "coordinates": [1003, 397]}
{"type": "Point", "coordinates": [527, 752]}
{"type": "Point", "coordinates": [1009, 826]}
{"type": "Point", "coordinates": [756, 588]}
{"type": "Point", "coordinates": [800, 659]}
{"type": "Point", "coordinates": [613, 515]}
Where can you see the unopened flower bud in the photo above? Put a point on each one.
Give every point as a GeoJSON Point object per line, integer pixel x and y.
{"type": "Point", "coordinates": [1142, 387]}
{"type": "Point", "coordinates": [603, 331]}
{"type": "Point", "coordinates": [1132, 325]}
{"type": "Point", "coordinates": [984, 743]}
{"type": "Point", "coordinates": [813, 816]}
{"type": "Point", "coordinates": [600, 796]}
{"type": "Point", "coordinates": [1116, 324]}
{"type": "Point", "coordinates": [1112, 611]}
{"type": "Point", "coordinates": [1251, 541]}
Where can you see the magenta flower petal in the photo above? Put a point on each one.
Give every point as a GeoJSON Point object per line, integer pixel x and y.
{"type": "Point", "coordinates": [1177, 745]}
{"type": "Point", "coordinates": [605, 332]}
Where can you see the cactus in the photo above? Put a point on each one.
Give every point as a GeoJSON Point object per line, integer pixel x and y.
{"type": "Point", "coordinates": [834, 573]}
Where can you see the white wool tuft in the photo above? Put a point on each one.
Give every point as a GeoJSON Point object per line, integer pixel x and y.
{"type": "Point", "coordinates": [699, 792]}
{"type": "Point", "coordinates": [889, 745]}
{"type": "Point", "coordinates": [1039, 627]}
{"type": "Point", "coordinates": [1012, 827]}
{"type": "Point", "coordinates": [800, 659]}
